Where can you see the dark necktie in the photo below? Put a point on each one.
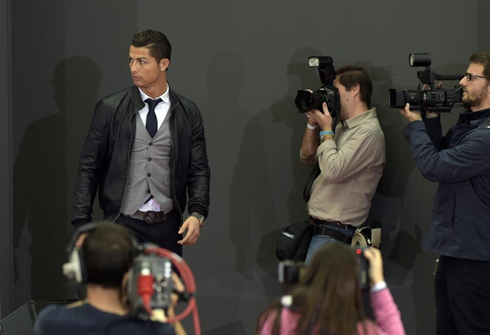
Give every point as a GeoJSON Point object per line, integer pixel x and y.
{"type": "Point", "coordinates": [151, 118]}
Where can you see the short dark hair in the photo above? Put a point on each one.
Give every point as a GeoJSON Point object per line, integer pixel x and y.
{"type": "Point", "coordinates": [482, 58]}
{"type": "Point", "coordinates": [351, 75]}
{"type": "Point", "coordinates": [108, 254]}
{"type": "Point", "coordinates": [156, 41]}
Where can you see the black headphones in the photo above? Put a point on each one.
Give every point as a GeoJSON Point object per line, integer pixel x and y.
{"type": "Point", "coordinates": [75, 268]}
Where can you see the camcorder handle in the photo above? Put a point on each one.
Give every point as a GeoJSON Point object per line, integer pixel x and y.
{"type": "Point", "coordinates": [428, 77]}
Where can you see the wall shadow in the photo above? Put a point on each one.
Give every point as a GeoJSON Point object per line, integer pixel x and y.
{"type": "Point", "coordinates": [40, 176]}
{"type": "Point", "coordinates": [284, 112]}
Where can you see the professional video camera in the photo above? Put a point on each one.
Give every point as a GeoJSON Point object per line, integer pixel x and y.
{"type": "Point", "coordinates": [150, 274]}
{"type": "Point", "coordinates": [435, 100]}
{"type": "Point", "coordinates": [150, 283]}
{"type": "Point", "coordinates": [307, 100]}
{"type": "Point", "coordinates": [290, 272]}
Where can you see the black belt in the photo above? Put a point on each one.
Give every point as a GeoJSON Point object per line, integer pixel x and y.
{"type": "Point", "coordinates": [152, 216]}
{"type": "Point", "coordinates": [326, 228]}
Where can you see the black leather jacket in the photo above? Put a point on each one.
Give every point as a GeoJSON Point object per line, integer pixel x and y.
{"type": "Point", "coordinates": [104, 162]}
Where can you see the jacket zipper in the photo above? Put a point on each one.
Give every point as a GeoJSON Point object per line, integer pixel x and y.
{"type": "Point", "coordinates": [172, 175]}
{"type": "Point", "coordinates": [127, 172]}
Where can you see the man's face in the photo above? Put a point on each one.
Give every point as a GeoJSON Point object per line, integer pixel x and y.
{"type": "Point", "coordinates": [345, 96]}
{"type": "Point", "coordinates": [475, 92]}
{"type": "Point", "coordinates": [144, 68]}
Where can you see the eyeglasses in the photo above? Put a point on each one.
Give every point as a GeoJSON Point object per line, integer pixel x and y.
{"type": "Point", "coordinates": [470, 76]}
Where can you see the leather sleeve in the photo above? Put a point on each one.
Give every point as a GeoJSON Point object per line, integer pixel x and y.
{"type": "Point", "coordinates": [199, 173]}
{"type": "Point", "coordinates": [91, 165]}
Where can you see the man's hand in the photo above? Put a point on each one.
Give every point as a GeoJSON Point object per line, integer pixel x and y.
{"type": "Point", "coordinates": [409, 115]}
{"type": "Point", "coordinates": [311, 119]}
{"type": "Point", "coordinates": [179, 287]}
{"type": "Point", "coordinates": [431, 115]}
{"type": "Point", "coordinates": [324, 120]}
{"type": "Point", "coordinates": [193, 231]}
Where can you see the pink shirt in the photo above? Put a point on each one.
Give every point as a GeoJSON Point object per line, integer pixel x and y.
{"type": "Point", "coordinates": [387, 315]}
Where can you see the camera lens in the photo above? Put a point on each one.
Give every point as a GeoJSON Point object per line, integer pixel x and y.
{"type": "Point", "coordinates": [419, 59]}
{"type": "Point", "coordinates": [305, 101]}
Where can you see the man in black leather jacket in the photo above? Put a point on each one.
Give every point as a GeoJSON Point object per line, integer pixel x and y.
{"type": "Point", "coordinates": [107, 163]}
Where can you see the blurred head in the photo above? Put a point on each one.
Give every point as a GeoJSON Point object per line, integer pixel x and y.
{"type": "Point", "coordinates": [149, 58]}
{"type": "Point", "coordinates": [476, 91]}
{"type": "Point", "coordinates": [354, 85]}
{"type": "Point", "coordinates": [330, 290]}
{"type": "Point", "coordinates": [333, 269]}
{"type": "Point", "coordinates": [108, 255]}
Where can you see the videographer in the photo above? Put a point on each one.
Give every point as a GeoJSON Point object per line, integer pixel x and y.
{"type": "Point", "coordinates": [328, 298]}
{"type": "Point", "coordinates": [350, 162]}
{"type": "Point", "coordinates": [107, 253]}
{"type": "Point", "coordinates": [459, 230]}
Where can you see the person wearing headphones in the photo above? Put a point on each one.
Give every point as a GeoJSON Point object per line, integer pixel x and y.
{"type": "Point", "coordinates": [107, 253]}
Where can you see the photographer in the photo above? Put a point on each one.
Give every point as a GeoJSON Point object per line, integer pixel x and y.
{"type": "Point", "coordinates": [328, 298]}
{"type": "Point", "coordinates": [107, 253]}
{"type": "Point", "coordinates": [459, 230]}
{"type": "Point", "coordinates": [350, 162]}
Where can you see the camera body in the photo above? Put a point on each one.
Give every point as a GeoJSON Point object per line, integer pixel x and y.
{"type": "Point", "coordinates": [160, 269]}
{"type": "Point", "coordinates": [291, 272]}
{"type": "Point", "coordinates": [307, 100]}
{"type": "Point", "coordinates": [437, 100]}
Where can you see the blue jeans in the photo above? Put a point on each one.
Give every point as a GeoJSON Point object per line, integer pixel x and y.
{"type": "Point", "coordinates": [318, 240]}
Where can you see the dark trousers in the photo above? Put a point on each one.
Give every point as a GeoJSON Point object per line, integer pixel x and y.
{"type": "Point", "coordinates": [163, 234]}
{"type": "Point", "coordinates": [462, 288]}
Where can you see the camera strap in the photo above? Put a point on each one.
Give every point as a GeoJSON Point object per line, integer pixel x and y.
{"type": "Point", "coordinates": [309, 184]}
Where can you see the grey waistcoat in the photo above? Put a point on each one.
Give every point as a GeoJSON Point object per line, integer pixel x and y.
{"type": "Point", "coordinates": [149, 170]}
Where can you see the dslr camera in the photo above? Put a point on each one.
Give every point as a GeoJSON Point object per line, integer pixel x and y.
{"type": "Point", "coordinates": [433, 100]}
{"type": "Point", "coordinates": [291, 272]}
{"type": "Point", "coordinates": [307, 100]}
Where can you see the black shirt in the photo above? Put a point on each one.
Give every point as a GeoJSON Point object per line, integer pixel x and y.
{"type": "Point", "coordinates": [86, 319]}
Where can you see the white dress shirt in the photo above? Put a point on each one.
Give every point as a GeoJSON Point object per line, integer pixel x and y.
{"type": "Point", "coordinates": [161, 111]}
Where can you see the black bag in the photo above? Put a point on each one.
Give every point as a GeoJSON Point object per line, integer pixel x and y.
{"type": "Point", "coordinates": [293, 242]}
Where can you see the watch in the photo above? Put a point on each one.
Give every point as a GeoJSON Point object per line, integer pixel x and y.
{"type": "Point", "coordinates": [200, 217]}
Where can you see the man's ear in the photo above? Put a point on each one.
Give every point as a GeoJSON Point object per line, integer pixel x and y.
{"type": "Point", "coordinates": [164, 64]}
{"type": "Point", "coordinates": [355, 90]}
{"type": "Point", "coordinates": [124, 287]}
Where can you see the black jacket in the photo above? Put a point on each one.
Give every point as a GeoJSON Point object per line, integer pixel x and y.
{"type": "Point", "coordinates": [460, 162]}
{"type": "Point", "coordinates": [104, 162]}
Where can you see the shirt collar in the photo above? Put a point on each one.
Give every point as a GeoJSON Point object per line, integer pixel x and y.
{"type": "Point", "coordinates": [359, 119]}
{"type": "Point", "coordinates": [469, 116]}
{"type": "Point", "coordinates": [165, 96]}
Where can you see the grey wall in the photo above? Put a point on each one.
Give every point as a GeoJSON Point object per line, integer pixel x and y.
{"type": "Point", "coordinates": [6, 251]}
{"type": "Point", "coordinates": [242, 63]}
